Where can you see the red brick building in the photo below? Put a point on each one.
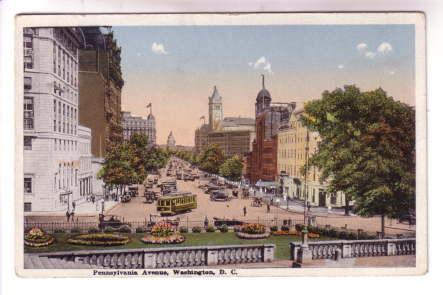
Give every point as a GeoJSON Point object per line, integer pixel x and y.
{"type": "Point", "coordinates": [261, 163]}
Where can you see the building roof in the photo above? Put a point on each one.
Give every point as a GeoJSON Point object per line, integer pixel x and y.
{"type": "Point", "coordinates": [215, 95]}
{"type": "Point", "coordinates": [236, 121]}
{"type": "Point", "coordinates": [263, 93]}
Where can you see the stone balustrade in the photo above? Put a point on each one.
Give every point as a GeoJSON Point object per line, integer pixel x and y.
{"type": "Point", "coordinates": [169, 257]}
{"type": "Point", "coordinates": [355, 248]}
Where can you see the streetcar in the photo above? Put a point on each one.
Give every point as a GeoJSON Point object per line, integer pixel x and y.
{"type": "Point", "coordinates": [175, 203]}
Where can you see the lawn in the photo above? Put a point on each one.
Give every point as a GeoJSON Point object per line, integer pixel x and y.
{"type": "Point", "coordinates": [192, 239]}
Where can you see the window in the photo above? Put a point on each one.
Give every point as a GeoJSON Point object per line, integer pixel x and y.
{"type": "Point", "coordinates": [28, 207]}
{"type": "Point", "coordinates": [28, 185]}
{"type": "Point", "coordinates": [28, 115]}
{"type": "Point", "coordinates": [28, 63]}
{"type": "Point", "coordinates": [28, 83]}
{"type": "Point", "coordinates": [27, 143]}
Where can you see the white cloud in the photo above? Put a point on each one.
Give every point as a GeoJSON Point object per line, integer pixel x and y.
{"type": "Point", "coordinates": [384, 48]}
{"type": "Point", "coordinates": [340, 67]}
{"type": "Point", "coordinates": [261, 64]}
{"type": "Point", "coordinates": [392, 72]}
{"type": "Point", "coordinates": [159, 48]}
{"type": "Point", "coordinates": [370, 54]}
{"type": "Point", "coordinates": [362, 47]}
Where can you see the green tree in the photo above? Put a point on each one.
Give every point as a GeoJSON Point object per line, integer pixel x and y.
{"type": "Point", "coordinates": [367, 149]}
{"type": "Point", "coordinates": [211, 159]}
{"type": "Point", "coordinates": [232, 168]}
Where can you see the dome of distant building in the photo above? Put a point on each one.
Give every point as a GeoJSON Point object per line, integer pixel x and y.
{"type": "Point", "coordinates": [170, 143]}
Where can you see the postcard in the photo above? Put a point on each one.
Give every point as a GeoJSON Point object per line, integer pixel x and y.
{"type": "Point", "coordinates": [250, 144]}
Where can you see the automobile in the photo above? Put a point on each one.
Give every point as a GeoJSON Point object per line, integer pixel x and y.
{"type": "Point", "coordinates": [126, 197]}
{"type": "Point", "coordinates": [150, 196]}
{"type": "Point", "coordinates": [133, 190]}
{"type": "Point", "coordinates": [219, 195]}
{"type": "Point", "coordinates": [113, 221]}
{"type": "Point", "coordinates": [211, 187]}
{"type": "Point", "coordinates": [188, 177]}
{"type": "Point", "coordinates": [219, 222]}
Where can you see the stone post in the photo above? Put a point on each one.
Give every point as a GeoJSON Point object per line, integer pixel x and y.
{"type": "Point", "coordinates": [346, 251]}
{"type": "Point", "coordinates": [304, 254]}
{"type": "Point", "coordinates": [212, 258]}
{"type": "Point", "coordinates": [391, 250]}
{"type": "Point", "coordinates": [268, 253]}
{"type": "Point", "coordinates": [150, 260]}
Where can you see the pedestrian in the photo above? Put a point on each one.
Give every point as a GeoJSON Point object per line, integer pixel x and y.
{"type": "Point", "coordinates": [93, 199]}
{"type": "Point", "coordinates": [206, 222]}
{"type": "Point", "coordinates": [67, 215]}
{"type": "Point", "coordinates": [103, 206]}
{"type": "Point", "coordinates": [72, 215]}
{"type": "Point", "coordinates": [268, 207]}
{"type": "Point", "coordinates": [244, 211]}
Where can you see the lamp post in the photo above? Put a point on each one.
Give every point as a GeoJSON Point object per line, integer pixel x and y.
{"type": "Point", "coordinates": [305, 211]}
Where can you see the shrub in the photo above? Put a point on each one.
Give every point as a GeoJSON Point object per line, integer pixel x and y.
{"type": "Point", "coordinates": [331, 233]}
{"type": "Point", "coordinates": [299, 227]}
{"type": "Point", "coordinates": [140, 230]}
{"type": "Point", "coordinates": [59, 231]}
{"type": "Point", "coordinates": [125, 229]}
{"type": "Point", "coordinates": [75, 230]}
{"type": "Point", "coordinates": [196, 229]}
{"type": "Point", "coordinates": [183, 229]}
{"type": "Point", "coordinates": [210, 229]}
{"type": "Point", "coordinates": [224, 228]}
{"type": "Point", "coordinates": [352, 236]}
{"type": "Point", "coordinates": [237, 228]}
{"type": "Point", "coordinates": [285, 228]}
{"type": "Point", "coordinates": [109, 229]}
{"type": "Point", "coordinates": [93, 230]}
{"type": "Point", "coordinates": [99, 239]}
{"type": "Point", "coordinates": [274, 228]}
{"type": "Point", "coordinates": [342, 235]}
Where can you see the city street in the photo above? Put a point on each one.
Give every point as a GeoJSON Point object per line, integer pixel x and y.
{"type": "Point", "coordinates": [138, 210]}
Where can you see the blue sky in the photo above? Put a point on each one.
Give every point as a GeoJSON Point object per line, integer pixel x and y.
{"type": "Point", "coordinates": [175, 67]}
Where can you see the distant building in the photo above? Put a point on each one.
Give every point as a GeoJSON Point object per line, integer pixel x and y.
{"type": "Point", "coordinates": [139, 125]}
{"type": "Point", "coordinates": [262, 161]}
{"type": "Point", "coordinates": [170, 144]}
{"type": "Point", "coordinates": [100, 85]}
{"type": "Point", "coordinates": [295, 144]}
{"type": "Point", "coordinates": [234, 135]}
{"type": "Point", "coordinates": [215, 110]}
{"type": "Point", "coordinates": [57, 150]}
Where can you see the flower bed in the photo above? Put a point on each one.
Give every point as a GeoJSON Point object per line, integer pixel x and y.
{"type": "Point", "coordinates": [286, 233]}
{"type": "Point", "coordinates": [36, 237]}
{"type": "Point", "coordinates": [100, 239]}
{"type": "Point", "coordinates": [252, 231]}
{"type": "Point", "coordinates": [163, 233]}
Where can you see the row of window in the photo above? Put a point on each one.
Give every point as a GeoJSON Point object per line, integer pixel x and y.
{"type": "Point", "coordinates": [65, 145]}
{"type": "Point", "coordinates": [65, 118]}
{"type": "Point", "coordinates": [64, 65]}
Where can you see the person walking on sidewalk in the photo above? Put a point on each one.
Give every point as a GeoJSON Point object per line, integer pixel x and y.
{"type": "Point", "coordinates": [244, 211]}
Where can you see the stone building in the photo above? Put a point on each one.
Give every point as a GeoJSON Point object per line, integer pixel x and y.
{"type": "Point", "coordinates": [56, 156]}
{"type": "Point", "coordinates": [139, 125]}
{"type": "Point", "coordinates": [296, 144]}
{"type": "Point", "coordinates": [100, 86]}
{"type": "Point", "coordinates": [234, 135]}
{"type": "Point", "coordinates": [262, 161]}
{"type": "Point", "coordinates": [170, 143]}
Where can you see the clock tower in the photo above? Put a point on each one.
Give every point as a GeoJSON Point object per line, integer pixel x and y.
{"type": "Point", "coordinates": [215, 110]}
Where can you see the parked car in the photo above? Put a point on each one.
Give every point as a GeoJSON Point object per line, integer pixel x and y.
{"type": "Point", "coordinates": [211, 187]}
{"type": "Point", "coordinates": [219, 222]}
{"type": "Point", "coordinates": [113, 221]}
{"type": "Point", "coordinates": [219, 195]}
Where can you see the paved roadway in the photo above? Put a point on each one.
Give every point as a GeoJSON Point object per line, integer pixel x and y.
{"type": "Point", "coordinates": [138, 210]}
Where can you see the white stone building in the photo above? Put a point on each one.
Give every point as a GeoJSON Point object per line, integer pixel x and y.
{"type": "Point", "coordinates": [57, 157]}
{"type": "Point", "coordinates": [136, 124]}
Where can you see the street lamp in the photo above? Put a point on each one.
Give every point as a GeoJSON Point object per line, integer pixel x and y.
{"type": "Point", "coordinates": [305, 211]}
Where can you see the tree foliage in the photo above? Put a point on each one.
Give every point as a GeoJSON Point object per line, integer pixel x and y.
{"type": "Point", "coordinates": [211, 159]}
{"type": "Point", "coordinates": [232, 168]}
{"type": "Point", "coordinates": [367, 148]}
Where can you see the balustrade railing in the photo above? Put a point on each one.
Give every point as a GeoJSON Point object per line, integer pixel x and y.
{"type": "Point", "coordinates": [172, 257]}
{"type": "Point", "coordinates": [357, 248]}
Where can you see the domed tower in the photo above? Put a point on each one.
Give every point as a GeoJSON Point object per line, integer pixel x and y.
{"type": "Point", "coordinates": [171, 141]}
{"type": "Point", "coordinates": [263, 100]}
{"type": "Point", "coordinates": [215, 110]}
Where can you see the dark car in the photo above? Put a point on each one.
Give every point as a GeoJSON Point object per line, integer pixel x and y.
{"type": "Point", "coordinates": [188, 177]}
{"type": "Point", "coordinates": [219, 222]}
{"type": "Point", "coordinates": [219, 195]}
{"type": "Point", "coordinates": [113, 221]}
{"type": "Point", "coordinates": [210, 188]}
